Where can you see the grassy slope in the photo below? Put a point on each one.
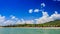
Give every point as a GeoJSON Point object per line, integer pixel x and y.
{"type": "Point", "coordinates": [53, 23]}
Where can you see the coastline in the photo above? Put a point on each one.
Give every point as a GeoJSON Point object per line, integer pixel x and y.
{"type": "Point", "coordinates": [34, 27]}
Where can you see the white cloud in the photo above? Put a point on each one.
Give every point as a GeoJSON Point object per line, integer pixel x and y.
{"type": "Point", "coordinates": [30, 10]}
{"type": "Point", "coordinates": [12, 17]}
{"type": "Point", "coordinates": [2, 19]}
{"type": "Point", "coordinates": [29, 21]}
{"type": "Point", "coordinates": [55, 15]}
{"type": "Point", "coordinates": [23, 20]}
{"type": "Point", "coordinates": [42, 4]}
{"type": "Point", "coordinates": [45, 14]}
{"type": "Point", "coordinates": [9, 22]}
{"type": "Point", "coordinates": [46, 18]}
{"type": "Point", "coordinates": [20, 22]}
{"type": "Point", "coordinates": [36, 10]}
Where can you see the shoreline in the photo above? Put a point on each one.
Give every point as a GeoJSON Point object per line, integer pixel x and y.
{"type": "Point", "coordinates": [34, 27]}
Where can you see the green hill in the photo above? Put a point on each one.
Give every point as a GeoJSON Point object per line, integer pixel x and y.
{"type": "Point", "coordinates": [55, 23]}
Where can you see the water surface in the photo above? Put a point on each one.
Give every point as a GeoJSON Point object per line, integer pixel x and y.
{"type": "Point", "coordinates": [28, 31]}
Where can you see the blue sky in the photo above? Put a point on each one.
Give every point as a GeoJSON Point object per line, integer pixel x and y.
{"type": "Point", "coordinates": [19, 8]}
{"type": "Point", "coordinates": [28, 11]}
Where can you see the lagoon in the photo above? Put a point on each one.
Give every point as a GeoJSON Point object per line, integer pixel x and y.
{"type": "Point", "coordinates": [22, 30]}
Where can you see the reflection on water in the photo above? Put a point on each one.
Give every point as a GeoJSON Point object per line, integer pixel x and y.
{"type": "Point", "coordinates": [28, 31]}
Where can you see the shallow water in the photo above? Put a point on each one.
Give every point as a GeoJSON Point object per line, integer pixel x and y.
{"type": "Point", "coordinates": [28, 31]}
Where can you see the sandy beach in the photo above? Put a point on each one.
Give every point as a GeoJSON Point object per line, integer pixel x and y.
{"type": "Point", "coordinates": [34, 27]}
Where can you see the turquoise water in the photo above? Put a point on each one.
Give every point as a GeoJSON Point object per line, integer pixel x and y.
{"type": "Point", "coordinates": [28, 31]}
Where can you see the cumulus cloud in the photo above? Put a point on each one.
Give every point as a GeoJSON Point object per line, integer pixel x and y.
{"type": "Point", "coordinates": [2, 19]}
{"type": "Point", "coordinates": [9, 22]}
{"type": "Point", "coordinates": [29, 21]}
{"type": "Point", "coordinates": [36, 10]}
{"type": "Point", "coordinates": [12, 17]}
{"type": "Point", "coordinates": [20, 22]}
{"type": "Point", "coordinates": [30, 10]}
{"type": "Point", "coordinates": [45, 18]}
{"type": "Point", "coordinates": [13, 20]}
{"type": "Point", "coordinates": [42, 4]}
{"type": "Point", "coordinates": [55, 15]}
